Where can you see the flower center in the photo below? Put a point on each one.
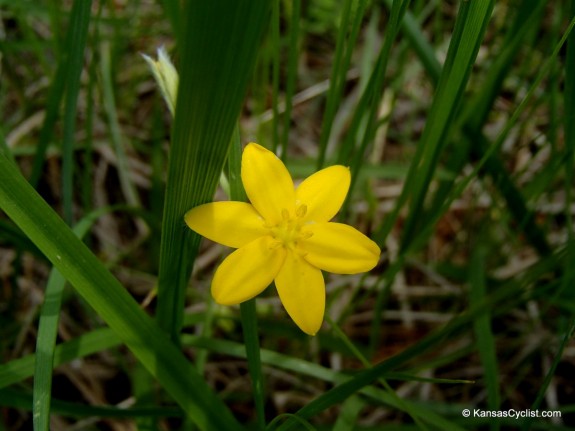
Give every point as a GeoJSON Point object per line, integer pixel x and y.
{"type": "Point", "coordinates": [288, 232]}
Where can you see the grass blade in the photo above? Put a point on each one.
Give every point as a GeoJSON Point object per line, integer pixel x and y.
{"type": "Point", "coordinates": [19, 399]}
{"type": "Point", "coordinates": [47, 331]}
{"type": "Point", "coordinates": [247, 309]}
{"type": "Point", "coordinates": [213, 79]}
{"type": "Point", "coordinates": [468, 34]}
{"type": "Point", "coordinates": [22, 368]}
{"type": "Point", "coordinates": [421, 46]}
{"type": "Point", "coordinates": [54, 99]}
{"type": "Point", "coordinates": [45, 345]}
{"type": "Point", "coordinates": [339, 70]}
{"type": "Point", "coordinates": [275, 60]}
{"type": "Point", "coordinates": [483, 333]}
{"type": "Point", "coordinates": [128, 188]}
{"type": "Point", "coordinates": [75, 45]}
{"type": "Point", "coordinates": [549, 376]}
{"type": "Point", "coordinates": [374, 91]}
{"type": "Point", "coordinates": [292, 68]}
{"type": "Point", "coordinates": [569, 127]}
{"type": "Point", "coordinates": [252, 345]}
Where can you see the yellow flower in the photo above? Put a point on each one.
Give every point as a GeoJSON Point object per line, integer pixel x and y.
{"type": "Point", "coordinates": [284, 235]}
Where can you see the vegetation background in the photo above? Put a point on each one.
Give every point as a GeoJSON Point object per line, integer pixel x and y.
{"type": "Point", "coordinates": [457, 119]}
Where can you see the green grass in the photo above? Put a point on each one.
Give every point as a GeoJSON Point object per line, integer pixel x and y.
{"type": "Point", "coordinates": [457, 122]}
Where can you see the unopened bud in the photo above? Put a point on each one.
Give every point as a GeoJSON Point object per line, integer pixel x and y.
{"type": "Point", "coordinates": [166, 76]}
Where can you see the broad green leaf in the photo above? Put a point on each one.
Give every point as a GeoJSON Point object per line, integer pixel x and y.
{"type": "Point", "coordinates": [218, 51]}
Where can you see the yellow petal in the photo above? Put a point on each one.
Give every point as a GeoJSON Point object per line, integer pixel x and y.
{"type": "Point", "coordinates": [247, 271]}
{"type": "Point", "coordinates": [302, 291]}
{"type": "Point", "coordinates": [268, 183]}
{"type": "Point", "coordinates": [233, 224]}
{"type": "Point", "coordinates": [339, 248]}
{"type": "Point", "coordinates": [323, 193]}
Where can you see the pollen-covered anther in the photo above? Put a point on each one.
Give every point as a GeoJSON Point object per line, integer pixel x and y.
{"type": "Point", "coordinates": [288, 232]}
{"type": "Point", "coordinates": [301, 211]}
{"type": "Point", "coordinates": [275, 245]}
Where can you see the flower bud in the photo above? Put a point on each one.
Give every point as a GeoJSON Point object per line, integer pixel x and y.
{"type": "Point", "coordinates": [166, 76]}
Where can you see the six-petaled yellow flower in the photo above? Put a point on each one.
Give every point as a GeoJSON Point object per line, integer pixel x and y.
{"type": "Point", "coordinates": [284, 235]}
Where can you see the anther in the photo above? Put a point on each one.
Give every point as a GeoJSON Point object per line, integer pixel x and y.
{"type": "Point", "coordinates": [301, 211]}
{"type": "Point", "coordinates": [285, 214]}
{"type": "Point", "coordinates": [275, 245]}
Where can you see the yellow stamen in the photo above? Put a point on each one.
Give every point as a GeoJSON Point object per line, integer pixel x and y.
{"type": "Point", "coordinates": [288, 233]}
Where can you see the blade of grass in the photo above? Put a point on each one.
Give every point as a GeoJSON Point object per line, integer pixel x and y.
{"type": "Point", "coordinates": [47, 332]}
{"type": "Point", "coordinates": [126, 184]}
{"type": "Point", "coordinates": [555, 84]}
{"type": "Point", "coordinates": [483, 333]}
{"type": "Point", "coordinates": [54, 98]}
{"type": "Point", "coordinates": [292, 69]}
{"type": "Point", "coordinates": [411, 31]}
{"type": "Point", "coordinates": [218, 52]}
{"type": "Point", "coordinates": [13, 235]}
{"type": "Point", "coordinates": [143, 388]}
{"type": "Point", "coordinates": [350, 410]}
{"type": "Point", "coordinates": [275, 42]}
{"type": "Point", "coordinates": [515, 202]}
{"type": "Point", "coordinates": [18, 399]}
{"type": "Point", "coordinates": [248, 308]}
{"type": "Point", "coordinates": [374, 91]}
{"type": "Point", "coordinates": [569, 128]}
{"type": "Point", "coordinates": [304, 425]}
{"type": "Point", "coordinates": [334, 92]}
{"type": "Point", "coordinates": [22, 368]}
{"type": "Point", "coordinates": [110, 300]}
{"type": "Point", "coordinates": [45, 345]}
{"type": "Point", "coordinates": [526, 425]}
{"type": "Point", "coordinates": [269, 357]}
{"type": "Point", "coordinates": [88, 168]}
{"type": "Point", "coordinates": [74, 49]}
{"type": "Point", "coordinates": [341, 63]}
{"type": "Point", "coordinates": [252, 345]}
{"type": "Point", "coordinates": [414, 414]}
{"type": "Point", "coordinates": [469, 30]}
{"type": "Point", "coordinates": [4, 146]}
{"type": "Point", "coordinates": [251, 340]}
